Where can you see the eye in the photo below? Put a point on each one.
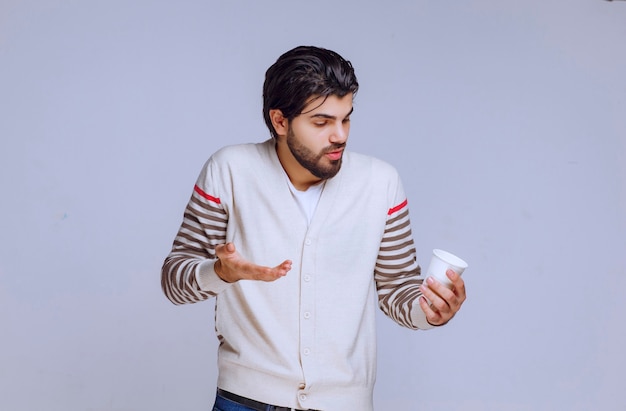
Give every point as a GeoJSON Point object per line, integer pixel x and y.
{"type": "Point", "coordinates": [346, 120]}
{"type": "Point", "coordinates": [320, 123]}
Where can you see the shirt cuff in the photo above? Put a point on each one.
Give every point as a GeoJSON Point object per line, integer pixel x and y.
{"type": "Point", "coordinates": [418, 317]}
{"type": "Point", "coordinates": [207, 278]}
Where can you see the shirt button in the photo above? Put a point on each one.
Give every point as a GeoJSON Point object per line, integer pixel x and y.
{"type": "Point", "coordinates": [307, 278]}
{"type": "Point", "coordinates": [302, 397]}
{"type": "Point", "coordinates": [307, 315]}
{"type": "Point", "coordinates": [302, 386]}
{"type": "Point", "coordinates": [307, 241]}
{"type": "Point", "coordinates": [306, 351]}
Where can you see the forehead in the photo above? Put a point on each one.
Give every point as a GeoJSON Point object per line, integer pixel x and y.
{"type": "Point", "coordinates": [331, 106]}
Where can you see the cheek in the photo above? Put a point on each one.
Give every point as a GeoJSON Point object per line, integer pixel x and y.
{"type": "Point", "coordinates": [315, 138]}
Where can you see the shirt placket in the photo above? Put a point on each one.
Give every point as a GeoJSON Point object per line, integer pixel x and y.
{"type": "Point", "coordinates": [307, 318]}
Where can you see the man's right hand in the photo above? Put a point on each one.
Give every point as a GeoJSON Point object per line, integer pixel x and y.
{"type": "Point", "coordinates": [231, 267]}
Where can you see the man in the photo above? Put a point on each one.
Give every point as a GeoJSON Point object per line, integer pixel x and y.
{"type": "Point", "coordinates": [301, 334]}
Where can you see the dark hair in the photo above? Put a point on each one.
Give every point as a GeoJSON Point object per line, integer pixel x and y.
{"type": "Point", "coordinates": [302, 73]}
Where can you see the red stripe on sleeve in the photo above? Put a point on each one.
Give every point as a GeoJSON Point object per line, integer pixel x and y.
{"type": "Point", "coordinates": [398, 207]}
{"type": "Point", "coordinates": [207, 196]}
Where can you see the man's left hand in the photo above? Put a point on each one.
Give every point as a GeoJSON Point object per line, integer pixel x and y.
{"type": "Point", "coordinates": [444, 302]}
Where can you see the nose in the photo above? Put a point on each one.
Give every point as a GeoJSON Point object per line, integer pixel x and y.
{"type": "Point", "coordinates": [340, 133]}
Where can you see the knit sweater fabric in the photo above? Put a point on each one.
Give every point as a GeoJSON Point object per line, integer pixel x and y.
{"type": "Point", "coordinates": [306, 340]}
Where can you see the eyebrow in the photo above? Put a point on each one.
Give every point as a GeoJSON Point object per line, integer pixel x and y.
{"type": "Point", "coordinates": [329, 117]}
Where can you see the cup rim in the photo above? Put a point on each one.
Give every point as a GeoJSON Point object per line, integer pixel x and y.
{"type": "Point", "coordinates": [450, 258]}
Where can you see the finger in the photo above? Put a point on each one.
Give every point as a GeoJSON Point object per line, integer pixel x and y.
{"type": "Point", "coordinates": [458, 285]}
{"type": "Point", "coordinates": [284, 267]}
{"type": "Point", "coordinates": [433, 304]}
{"type": "Point", "coordinates": [281, 270]}
{"type": "Point", "coordinates": [442, 298]}
{"type": "Point", "coordinates": [262, 273]}
{"type": "Point", "coordinates": [220, 250]}
{"type": "Point", "coordinates": [428, 293]}
{"type": "Point", "coordinates": [442, 291]}
{"type": "Point", "coordinates": [451, 298]}
{"type": "Point", "coordinates": [452, 275]}
{"type": "Point", "coordinates": [432, 316]}
{"type": "Point", "coordinates": [225, 250]}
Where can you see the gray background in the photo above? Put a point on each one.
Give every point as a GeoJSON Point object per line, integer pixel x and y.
{"type": "Point", "coordinates": [506, 119]}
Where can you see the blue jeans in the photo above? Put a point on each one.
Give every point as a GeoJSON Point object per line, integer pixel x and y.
{"type": "Point", "coordinates": [223, 404]}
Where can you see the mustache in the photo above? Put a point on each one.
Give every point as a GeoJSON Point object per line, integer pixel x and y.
{"type": "Point", "coordinates": [334, 147]}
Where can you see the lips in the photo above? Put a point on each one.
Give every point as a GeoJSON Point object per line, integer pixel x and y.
{"type": "Point", "coordinates": [334, 155]}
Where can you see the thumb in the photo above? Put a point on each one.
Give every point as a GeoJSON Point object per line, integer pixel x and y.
{"type": "Point", "coordinates": [225, 250]}
{"type": "Point", "coordinates": [230, 248]}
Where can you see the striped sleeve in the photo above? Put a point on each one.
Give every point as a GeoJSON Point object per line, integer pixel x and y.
{"type": "Point", "coordinates": [397, 273]}
{"type": "Point", "coordinates": [203, 228]}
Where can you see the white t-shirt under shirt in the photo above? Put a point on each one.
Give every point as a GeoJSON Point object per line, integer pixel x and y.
{"type": "Point", "coordinates": [307, 200]}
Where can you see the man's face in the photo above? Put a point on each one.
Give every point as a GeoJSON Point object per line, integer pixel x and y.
{"type": "Point", "coordinates": [318, 136]}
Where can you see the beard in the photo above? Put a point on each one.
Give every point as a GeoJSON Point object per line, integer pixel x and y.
{"type": "Point", "coordinates": [316, 163]}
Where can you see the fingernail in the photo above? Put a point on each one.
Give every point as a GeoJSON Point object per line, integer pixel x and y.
{"type": "Point", "coordinates": [430, 280]}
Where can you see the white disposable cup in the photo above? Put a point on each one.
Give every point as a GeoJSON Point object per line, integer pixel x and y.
{"type": "Point", "coordinates": [442, 261]}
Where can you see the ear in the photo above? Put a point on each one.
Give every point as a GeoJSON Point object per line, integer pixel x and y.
{"type": "Point", "coordinates": [279, 122]}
